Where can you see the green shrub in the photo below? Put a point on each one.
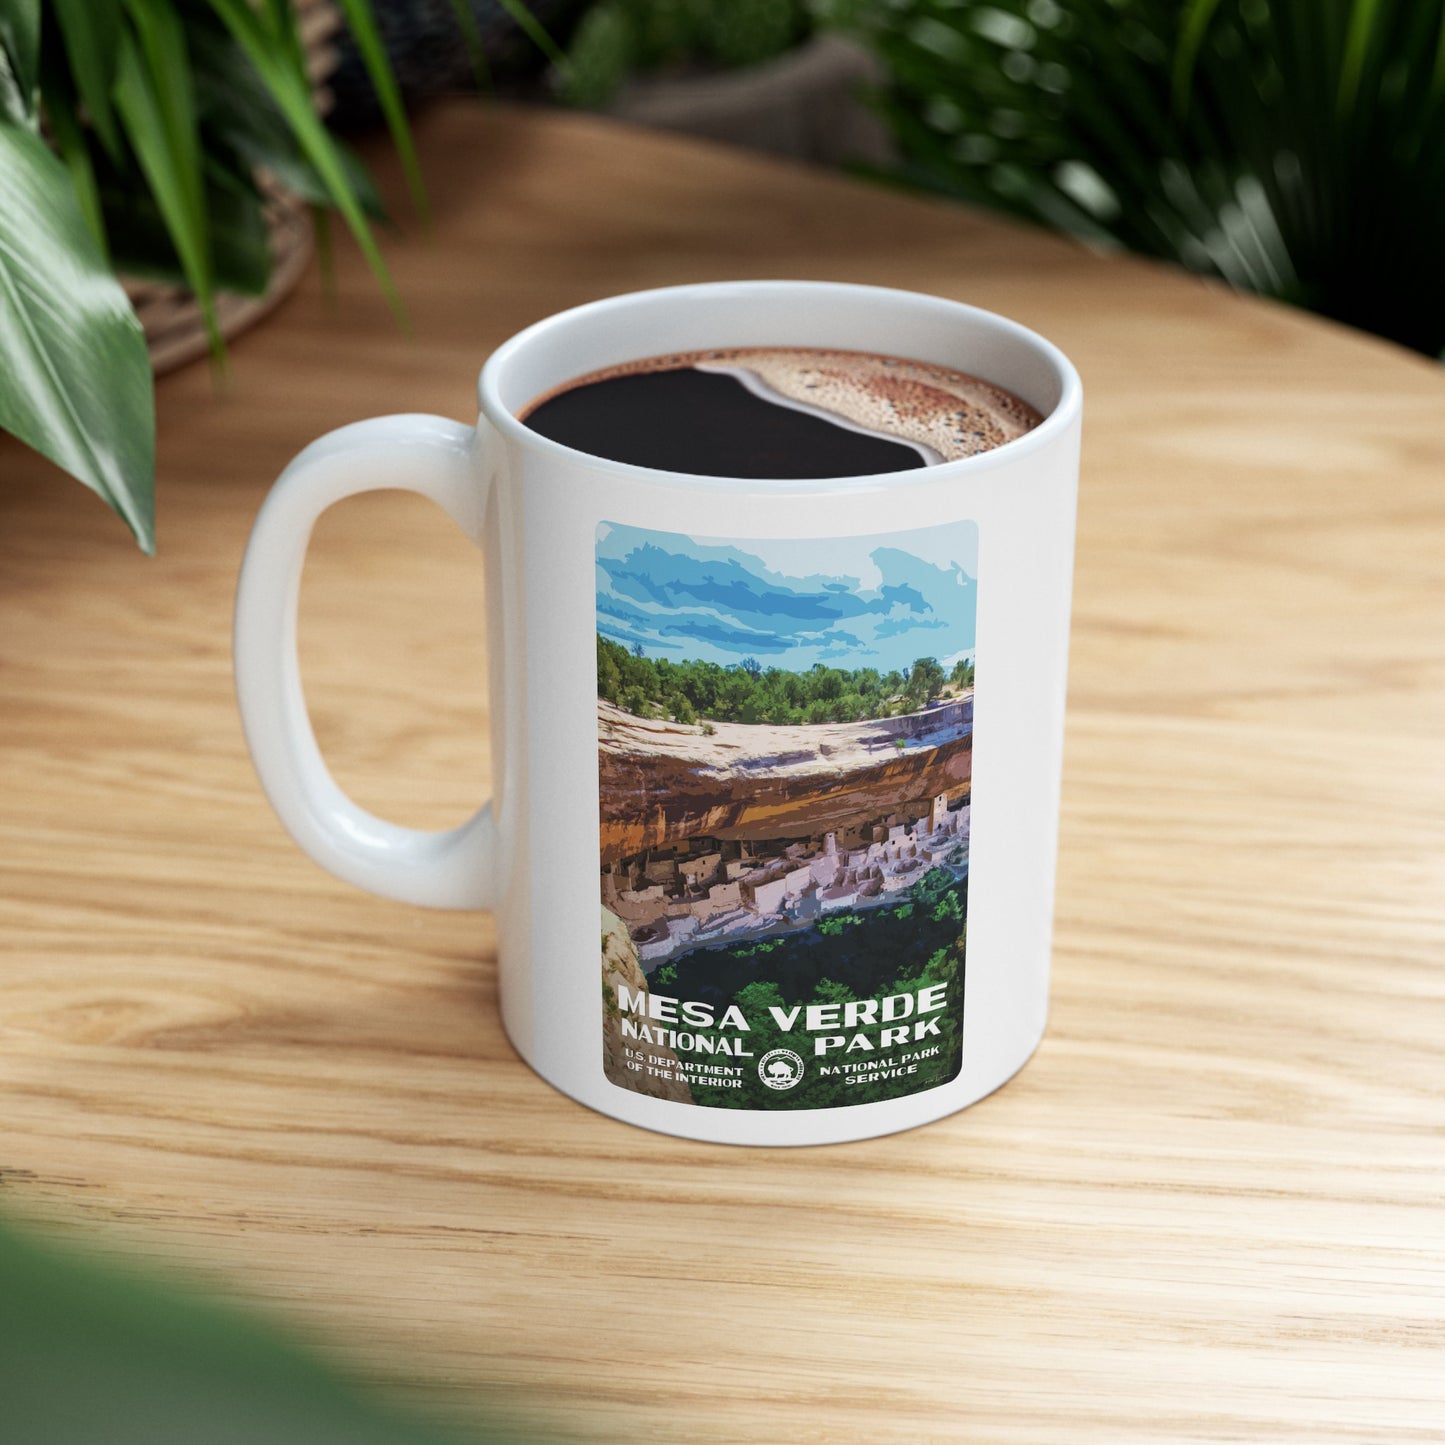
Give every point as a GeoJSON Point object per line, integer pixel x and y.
{"type": "Point", "coordinates": [750, 693]}
{"type": "Point", "coordinates": [1293, 147]}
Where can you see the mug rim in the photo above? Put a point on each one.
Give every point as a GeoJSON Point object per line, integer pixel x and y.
{"type": "Point", "coordinates": [1060, 418]}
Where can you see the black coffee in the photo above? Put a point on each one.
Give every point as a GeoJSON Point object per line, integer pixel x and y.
{"type": "Point", "coordinates": [780, 412]}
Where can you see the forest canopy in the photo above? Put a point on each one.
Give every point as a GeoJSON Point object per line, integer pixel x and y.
{"type": "Point", "coordinates": [747, 692]}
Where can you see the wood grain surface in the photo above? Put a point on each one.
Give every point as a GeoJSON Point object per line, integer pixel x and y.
{"type": "Point", "coordinates": [1211, 1207]}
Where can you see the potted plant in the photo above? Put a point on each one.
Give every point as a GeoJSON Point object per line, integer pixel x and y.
{"type": "Point", "coordinates": [1294, 148]}
{"type": "Point", "coordinates": [759, 73]}
{"type": "Point", "coordinates": [160, 139]}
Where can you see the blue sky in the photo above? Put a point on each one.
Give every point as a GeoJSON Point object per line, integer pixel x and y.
{"type": "Point", "coordinates": [876, 601]}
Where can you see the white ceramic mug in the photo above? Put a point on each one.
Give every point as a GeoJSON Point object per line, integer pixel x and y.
{"type": "Point", "coordinates": [781, 933]}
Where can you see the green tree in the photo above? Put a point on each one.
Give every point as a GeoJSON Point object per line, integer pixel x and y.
{"type": "Point", "coordinates": [609, 675]}
{"type": "Point", "coordinates": [926, 680]}
{"type": "Point", "coordinates": [746, 693]}
{"type": "Point", "coordinates": [737, 688]}
{"type": "Point", "coordinates": [948, 909]}
{"type": "Point", "coordinates": [778, 712]}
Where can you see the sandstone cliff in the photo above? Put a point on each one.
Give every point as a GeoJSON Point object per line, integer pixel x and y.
{"type": "Point", "coordinates": [662, 782]}
{"type": "Point", "coordinates": [620, 965]}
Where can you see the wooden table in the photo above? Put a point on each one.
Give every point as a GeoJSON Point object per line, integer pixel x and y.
{"type": "Point", "coordinates": [1209, 1209]}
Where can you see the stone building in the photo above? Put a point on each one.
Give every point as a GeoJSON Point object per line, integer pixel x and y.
{"type": "Point", "coordinates": [709, 891]}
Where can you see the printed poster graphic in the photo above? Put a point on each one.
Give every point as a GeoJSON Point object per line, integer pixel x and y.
{"type": "Point", "coordinates": [785, 748]}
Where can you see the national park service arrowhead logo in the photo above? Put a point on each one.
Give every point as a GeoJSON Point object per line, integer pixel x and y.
{"type": "Point", "coordinates": [780, 1069]}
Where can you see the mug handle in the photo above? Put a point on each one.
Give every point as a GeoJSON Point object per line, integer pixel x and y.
{"type": "Point", "coordinates": [431, 455]}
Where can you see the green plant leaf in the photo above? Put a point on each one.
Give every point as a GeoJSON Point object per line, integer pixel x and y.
{"type": "Point", "coordinates": [1364, 22]}
{"type": "Point", "coordinates": [70, 143]}
{"type": "Point", "coordinates": [91, 30]}
{"type": "Point", "coordinates": [1197, 15]}
{"type": "Point", "coordinates": [70, 138]}
{"type": "Point", "coordinates": [154, 100]}
{"type": "Point", "coordinates": [76, 384]}
{"type": "Point", "coordinates": [286, 27]}
{"type": "Point", "coordinates": [277, 153]}
{"type": "Point", "coordinates": [20, 62]}
{"type": "Point", "coordinates": [293, 99]}
{"type": "Point", "coordinates": [535, 31]}
{"type": "Point", "coordinates": [604, 49]}
{"type": "Point", "coordinates": [95, 1352]}
{"type": "Point", "coordinates": [472, 39]}
{"type": "Point", "coordinates": [362, 23]}
{"type": "Point", "coordinates": [241, 242]}
{"type": "Point", "coordinates": [236, 107]}
{"type": "Point", "coordinates": [1294, 147]}
{"type": "Point", "coordinates": [164, 47]}
{"type": "Point", "coordinates": [240, 246]}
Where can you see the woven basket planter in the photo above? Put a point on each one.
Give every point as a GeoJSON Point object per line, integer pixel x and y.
{"type": "Point", "coordinates": [168, 313]}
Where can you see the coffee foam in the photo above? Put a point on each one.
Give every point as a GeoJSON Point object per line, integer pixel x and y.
{"type": "Point", "coordinates": [945, 414]}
